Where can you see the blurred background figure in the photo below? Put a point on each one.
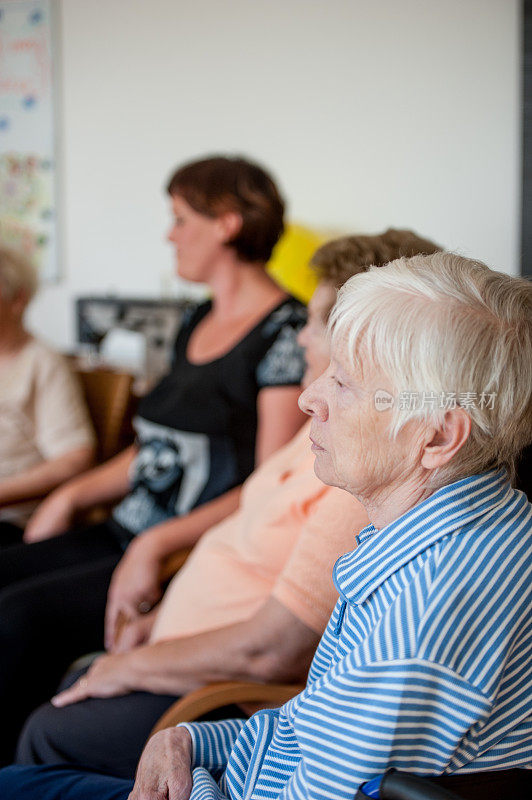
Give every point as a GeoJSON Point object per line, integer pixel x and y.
{"type": "Point", "coordinates": [45, 434]}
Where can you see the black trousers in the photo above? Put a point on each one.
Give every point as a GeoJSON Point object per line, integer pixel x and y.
{"type": "Point", "coordinates": [10, 534]}
{"type": "Point", "coordinates": [106, 735]}
{"type": "Point", "coordinates": [52, 605]}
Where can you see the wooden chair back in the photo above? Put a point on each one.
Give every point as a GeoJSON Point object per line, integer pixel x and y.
{"type": "Point", "coordinates": [109, 400]}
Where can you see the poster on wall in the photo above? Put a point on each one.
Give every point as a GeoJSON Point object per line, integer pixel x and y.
{"type": "Point", "coordinates": [27, 132]}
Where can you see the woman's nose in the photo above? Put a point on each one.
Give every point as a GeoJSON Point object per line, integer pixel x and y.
{"type": "Point", "coordinates": [312, 401]}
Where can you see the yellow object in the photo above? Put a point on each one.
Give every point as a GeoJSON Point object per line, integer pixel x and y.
{"type": "Point", "coordinates": [289, 264]}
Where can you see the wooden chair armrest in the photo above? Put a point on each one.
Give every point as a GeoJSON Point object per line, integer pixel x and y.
{"type": "Point", "coordinates": [174, 562]}
{"type": "Point", "coordinates": [208, 698]}
{"type": "Point", "coordinates": [96, 514]}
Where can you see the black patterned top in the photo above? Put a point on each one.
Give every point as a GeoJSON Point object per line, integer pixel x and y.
{"type": "Point", "coordinates": [196, 429]}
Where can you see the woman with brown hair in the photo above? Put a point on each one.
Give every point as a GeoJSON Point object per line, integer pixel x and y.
{"type": "Point", "coordinates": [229, 400]}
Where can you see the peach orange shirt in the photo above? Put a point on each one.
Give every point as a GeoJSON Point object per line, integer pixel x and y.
{"type": "Point", "coordinates": [282, 542]}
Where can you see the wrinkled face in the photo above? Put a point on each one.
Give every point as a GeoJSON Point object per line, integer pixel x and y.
{"type": "Point", "coordinates": [197, 241]}
{"type": "Point", "coordinates": [313, 337]}
{"type": "Point", "coordinates": [349, 435]}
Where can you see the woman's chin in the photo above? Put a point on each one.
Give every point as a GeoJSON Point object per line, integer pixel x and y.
{"type": "Point", "coordinates": [189, 275]}
{"type": "Point", "coordinates": [322, 470]}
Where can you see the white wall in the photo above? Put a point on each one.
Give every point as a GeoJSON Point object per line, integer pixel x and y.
{"type": "Point", "coordinates": [397, 112]}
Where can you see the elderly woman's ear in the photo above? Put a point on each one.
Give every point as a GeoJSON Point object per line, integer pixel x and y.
{"type": "Point", "coordinates": [447, 439]}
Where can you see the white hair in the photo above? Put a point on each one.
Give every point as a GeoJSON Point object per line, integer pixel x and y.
{"type": "Point", "coordinates": [17, 274]}
{"type": "Point", "coordinates": [440, 326]}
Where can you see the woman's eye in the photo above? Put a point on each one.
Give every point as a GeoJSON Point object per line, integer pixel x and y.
{"type": "Point", "coordinates": [337, 381]}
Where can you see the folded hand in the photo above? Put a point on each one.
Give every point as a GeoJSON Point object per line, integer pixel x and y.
{"type": "Point", "coordinates": [135, 587]}
{"type": "Point", "coordinates": [134, 633]}
{"type": "Point", "coordinates": [164, 771]}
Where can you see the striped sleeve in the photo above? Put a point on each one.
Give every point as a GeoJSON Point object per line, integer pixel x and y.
{"type": "Point", "coordinates": [410, 714]}
{"type": "Point", "coordinates": [204, 787]}
{"type": "Point", "coordinates": [212, 743]}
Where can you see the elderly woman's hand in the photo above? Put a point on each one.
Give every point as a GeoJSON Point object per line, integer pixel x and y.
{"type": "Point", "coordinates": [108, 676]}
{"type": "Point", "coordinates": [135, 587]}
{"type": "Point", "coordinates": [164, 771]}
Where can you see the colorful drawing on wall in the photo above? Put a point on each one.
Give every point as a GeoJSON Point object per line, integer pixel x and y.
{"type": "Point", "coordinates": [27, 132]}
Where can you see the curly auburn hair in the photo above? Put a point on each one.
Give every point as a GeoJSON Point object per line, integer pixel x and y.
{"type": "Point", "coordinates": [338, 260]}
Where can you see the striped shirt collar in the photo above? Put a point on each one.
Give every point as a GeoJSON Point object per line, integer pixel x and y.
{"type": "Point", "coordinates": [380, 553]}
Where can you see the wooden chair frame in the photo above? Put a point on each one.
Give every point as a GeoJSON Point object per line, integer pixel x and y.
{"type": "Point", "coordinates": [216, 695]}
{"type": "Point", "coordinates": [109, 401]}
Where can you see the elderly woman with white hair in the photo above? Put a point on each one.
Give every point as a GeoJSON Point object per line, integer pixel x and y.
{"type": "Point", "coordinates": [425, 664]}
{"type": "Point", "coordinates": [45, 433]}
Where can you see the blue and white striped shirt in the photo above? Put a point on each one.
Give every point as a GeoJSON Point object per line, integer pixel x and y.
{"type": "Point", "coordinates": [425, 664]}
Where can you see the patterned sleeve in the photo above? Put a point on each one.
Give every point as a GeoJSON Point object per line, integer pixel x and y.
{"type": "Point", "coordinates": [284, 363]}
{"type": "Point", "coordinates": [212, 742]}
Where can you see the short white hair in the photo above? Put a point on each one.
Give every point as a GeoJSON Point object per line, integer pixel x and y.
{"type": "Point", "coordinates": [448, 325]}
{"type": "Point", "coordinates": [17, 274]}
